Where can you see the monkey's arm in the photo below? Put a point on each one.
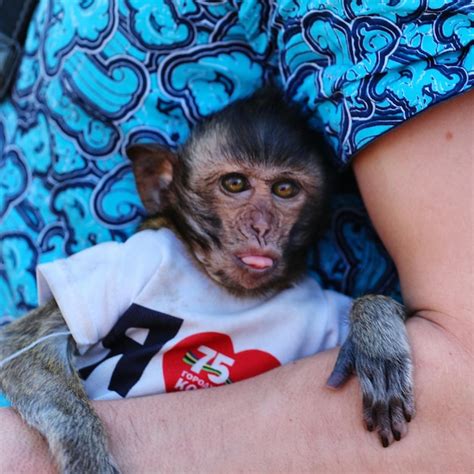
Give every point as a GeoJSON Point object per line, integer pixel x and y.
{"type": "Point", "coordinates": [44, 387]}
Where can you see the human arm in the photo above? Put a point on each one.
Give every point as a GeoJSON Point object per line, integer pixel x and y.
{"type": "Point", "coordinates": [282, 421]}
{"type": "Point", "coordinates": [416, 182]}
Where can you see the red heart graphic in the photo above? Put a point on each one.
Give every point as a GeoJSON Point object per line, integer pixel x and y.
{"type": "Point", "coordinates": [208, 360]}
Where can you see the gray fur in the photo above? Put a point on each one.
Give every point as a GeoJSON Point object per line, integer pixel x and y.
{"type": "Point", "coordinates": [45, 389]}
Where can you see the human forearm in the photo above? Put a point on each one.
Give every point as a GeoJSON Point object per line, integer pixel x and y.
{"type": "Point", "coordinates": [283, 421]}
{"type": "Point", "coordinates": [288, 421]}
{"type": "Point", "coordinates": [22, 450]}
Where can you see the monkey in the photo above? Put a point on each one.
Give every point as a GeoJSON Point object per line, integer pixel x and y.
{"type": "Point", "coordinates": [239, 205]}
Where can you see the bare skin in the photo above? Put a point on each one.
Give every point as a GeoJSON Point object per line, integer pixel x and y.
{"type": "Point", "coordinates": [417, 185]}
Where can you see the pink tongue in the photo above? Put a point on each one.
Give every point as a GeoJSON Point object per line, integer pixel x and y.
{"type": "Point", "coordinates": [255, 261]}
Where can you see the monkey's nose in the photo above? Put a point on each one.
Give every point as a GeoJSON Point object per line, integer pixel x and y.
{"type": "Point", "coordinates": [260, 224]}
{"type": "Point", "coordinates": [260, 229]}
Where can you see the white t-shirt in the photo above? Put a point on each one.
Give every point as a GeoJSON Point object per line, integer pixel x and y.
{"type": "Point", "coordinates": [147, 320]}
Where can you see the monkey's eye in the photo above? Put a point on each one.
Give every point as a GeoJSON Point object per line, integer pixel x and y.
{"type": "Point", "coordinates": [285, 189]}
{"type": "Point", "coordinates": [234, 183]}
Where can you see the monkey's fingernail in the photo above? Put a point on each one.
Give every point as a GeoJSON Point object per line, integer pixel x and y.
{"type": "Point", "coordinates": [370, 426]}
{"type": "Point", "coordinates": [397, 435]}
{"type": "Point", "coordinates": [384, 440]}
{"type": "Point", "coordinates": [408, 417]}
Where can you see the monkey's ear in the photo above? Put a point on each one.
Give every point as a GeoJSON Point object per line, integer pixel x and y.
{"type": "Point", "coordinates": [152, 166]}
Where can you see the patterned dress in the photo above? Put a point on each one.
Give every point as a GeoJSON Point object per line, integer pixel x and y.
{"type": "Point", "coordinates": [98, 75]}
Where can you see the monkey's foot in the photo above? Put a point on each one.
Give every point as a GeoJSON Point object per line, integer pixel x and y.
{"type": "Point", "coordinates": [387, 389]}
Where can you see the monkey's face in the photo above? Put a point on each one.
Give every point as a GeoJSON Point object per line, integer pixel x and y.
{"type": "Point", "coordinates": [248, 224]}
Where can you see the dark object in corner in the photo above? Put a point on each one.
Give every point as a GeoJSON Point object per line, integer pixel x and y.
{"type": "Point", "coordinates": [14, 20]}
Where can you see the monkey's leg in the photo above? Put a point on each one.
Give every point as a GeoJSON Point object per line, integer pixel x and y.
{"type": "Point", "coordinates": [44, 387]}
{"type": "Point", "coordinates": [377, 350]}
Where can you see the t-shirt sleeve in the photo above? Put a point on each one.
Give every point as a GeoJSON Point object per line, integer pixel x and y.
{"type": "Point", "coordinates": [339, 307]}
{"type": "Point", "coordinates": [96, 286]}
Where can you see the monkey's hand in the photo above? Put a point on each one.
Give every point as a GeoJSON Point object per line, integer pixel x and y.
{"type": "Point", "coordinates": [377, 351]}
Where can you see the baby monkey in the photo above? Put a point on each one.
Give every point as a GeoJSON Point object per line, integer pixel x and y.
{"type": "Point", "coordinates": [244, 198]}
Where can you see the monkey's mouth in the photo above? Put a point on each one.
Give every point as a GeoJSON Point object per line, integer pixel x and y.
{"type": "Point", "coordinates": [257, 261]}
{"type": "Point", "coordinates": [252, 271]}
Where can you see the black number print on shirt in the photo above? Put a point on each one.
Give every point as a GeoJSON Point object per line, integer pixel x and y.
{"type": "Point", "coordinates": [153, 327]}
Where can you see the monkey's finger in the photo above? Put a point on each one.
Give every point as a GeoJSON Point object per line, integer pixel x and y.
{"type": "Point", "coordinates": [374, 396]}
{"type": "Point", "coordinates": [409, 408]}
{"type": "Point", "coordinates": [400, 388]}
{"type": "Point", "coordinates": [382, 415]}
{"type": "Point", "coordinates": [344, 366]}
{"type": "Point", "coordinates": [368, 413]}
{"type": "Point", "coordinates": [397, 417]}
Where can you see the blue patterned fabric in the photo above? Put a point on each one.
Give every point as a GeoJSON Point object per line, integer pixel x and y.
{"type": "Point", "coordinates": [98, 75]}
